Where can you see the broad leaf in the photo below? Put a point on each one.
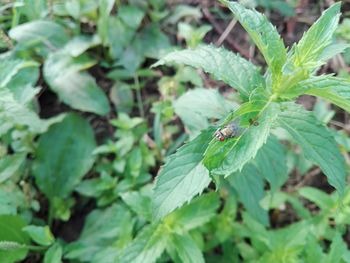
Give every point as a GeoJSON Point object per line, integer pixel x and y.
{"type": "Point", "coordinates": [45, 36]}
{"type": "Point", "coordinates": [323, 200]}
{"type": "Point", "coordinates": [196, 213]}
{"type": "Point", "coordinates": [64, 156]}
{"type": "Point", "coordinates": [10, 164]}
{"type": "Point", "coordinates": [11, 231]}
{"type": "Point", "coordinates": [222, 65]}
{"type": "Point", "coordinates": [196, 107]}
{"type": "Point", "coordinates": [271, 161]}
{"type": "Point", "coordinates": [9, 68]}
{"type": "Point", "coordinates": [250, 188]}
{"type": "Point", "coordinates": [41, 235]}
{"type": "Point", "coordinates": [263, 33]}
{"type": "Point", "coordinates": [139, 202]}
{"type": "Point", "coordinates": [79, 44]}
{"type": "Point", "coordinates": [226, 157]}
{"type": "Point", "coordinates": [147, 246]}
{"type": "Point", "coordinates": [338, 248]}
{"type": "Point", "coordinates": [336, 90]}
{"type": "Point", "coordinates": [312, 45]}
{"type": "Point", "coordinates": [75, 88]}
{"type": "Point", "coordinates": [13, 113]}
{"type": "Point", "coordinates": [182, 177]}
{"type": "Point", "coordinates": [183, 249]}
{"type": "Point", "coordinates": [53, 254]}
{"type": "Point", "coordinates": [316, 141]}
{"type": "Point", "coordinates": [104, 228]}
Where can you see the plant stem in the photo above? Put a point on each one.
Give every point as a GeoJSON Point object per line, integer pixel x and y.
{"type": "Point", "coordinates": [50, 216]}
{"type": "Point", "coordinates": [138, 96]}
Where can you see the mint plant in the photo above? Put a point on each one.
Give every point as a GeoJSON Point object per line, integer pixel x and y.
{"type": "Point", "coordinates": [268, 105]}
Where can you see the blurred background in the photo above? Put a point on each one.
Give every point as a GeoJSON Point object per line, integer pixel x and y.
{"type": "Point", "coordinates": [86, 124]}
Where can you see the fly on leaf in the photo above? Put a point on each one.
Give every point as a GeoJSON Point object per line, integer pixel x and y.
{"type": "Point", "coordinates": [230, 130]}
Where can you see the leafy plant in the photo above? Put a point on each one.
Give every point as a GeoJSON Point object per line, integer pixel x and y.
{"type": "Point", "coordinates": [267, 105]}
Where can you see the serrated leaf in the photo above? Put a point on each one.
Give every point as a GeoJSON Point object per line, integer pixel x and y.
{"type": "Point", "coordinates": [271, 161]}
{"type": "Point", "coordinates": [41, 235]}
{"type": "Point", "coordinates": [222, 65]}
{"type": "Point", "coordinates": [78, 89]}
{"type": "Point", "coordinates": [196, 107]}
{"type": "Point", "coordinates": [316, 141]}
{"type": "Point", "coordinates": [250, 188]}
{"type": "Point", "coordinates": [196, 213]}
{"type": "Point", "coordinates": [226, 157]}
{"type": "Point", "coordinates": [183, 249]}
{"type": "Point", "coordinates": [146, 247]}
{"type": "Point", "coordinates": [263, 33]}
{"type": "Point", "coordinates": [182, 177]}
{"type": "Point", "coordinates": [11, 231]}
{"type": "Point", "coordinates": [333, 89]}
{"type": "Point", "coordinates": [64, 156]}
{"type": "Point", "coordinates": [313, 43]}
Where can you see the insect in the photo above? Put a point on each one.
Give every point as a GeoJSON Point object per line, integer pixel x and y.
{"type": "Point", "coordinates": [230, 130]}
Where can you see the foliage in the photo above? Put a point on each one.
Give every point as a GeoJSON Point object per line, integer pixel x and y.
{"type": "Point", "coordinates": [86, 123]}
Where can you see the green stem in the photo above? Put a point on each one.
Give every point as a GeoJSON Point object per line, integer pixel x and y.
{"type": "Point", "coordinates": [139, 97]}
{"type": "Point", "coordinates": [50, 216]}
{"type": "Point", "coordinates": [35, 248]}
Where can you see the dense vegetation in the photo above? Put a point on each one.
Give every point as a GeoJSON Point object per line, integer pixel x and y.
{"type": "Point", "coordinates": [107, 154]}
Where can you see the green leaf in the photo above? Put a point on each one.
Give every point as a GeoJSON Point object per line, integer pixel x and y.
{"type": "Point", "coordinates": [9, 68]}
{"type": "Point", "coordinates": [10, 164]}
{"type": "Point", "coordinates": [131, 15]}
{"type": "Point", "coordinates": [11, 231]}
{"type": "Point", "coordinates": [105, 8]}
{"type": "Point", "coordinates": [310, 48]}
{"type": "Point", "coordinates": [320, 198]}
{"type": "Point", "coordinates": [333, 89]}
{"type": "Point", "coordinates": [41, 235]}
{"type": "Point", "coordinates": [226, 157]}
{"type": "Point", "coordinates": [64, 156]}
{"type": "Point", "coordinates": [196, 107]}
{"type": "Point", "coordinates": [264, 35]}
{"type": "Point", "coordinates": [182, 177]}
{"type": "Point", "coordinates": [13, 113]}
{"type": "Point", "coordinates": [53, 254]}
{"type": "Point", "coordinates": [287, 243]}
{"type": "Point", "coordinates": [38, 33]}
{"type": "Point", "coordinates": [271, 161]}
{"type": "Point", "coordinates": [12, 199]}
{"type": "Point", "coordinates": [183, 249]}
{"type": "Point", "coordinates": [75, 88]}
{"type": "Point", "coordinates": [198, 212]}
{"type": "Point", "coordinates": [316, 142]}
{"type": "Point", "coordinates": [79, 44]}
{"type": "Point", "coordinates": [337, 250]}
{"type": "Point", "coordinates": [250, 188]}
{"type": "Point", "coordinates": [104, 228]}
{"type": "Point", "coordinates": [222, 65]}
{"type": "Point", "coordinates": [147, 246]}
{"type": "Point", "coordinates": [313, 251]}
{"type": "Point", "coordinates": [139, 202]}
